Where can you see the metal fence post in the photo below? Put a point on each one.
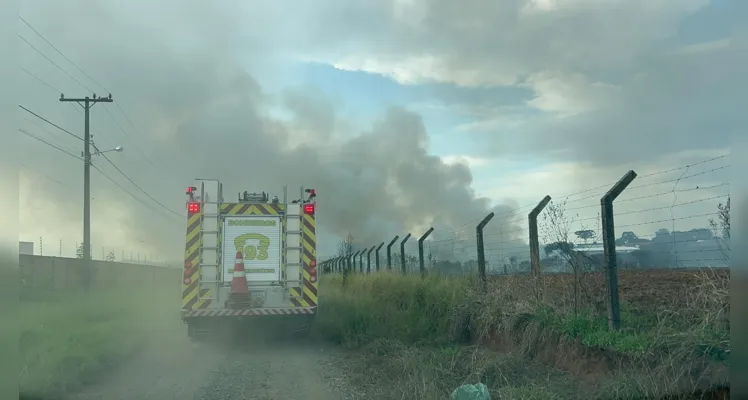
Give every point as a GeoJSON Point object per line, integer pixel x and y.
{"type": "Point", "coordinates": [481, 252]}
{"type": "Point", "coordinates": [609, 245]}
{"type": "Point", "coordinates": [376, 256]}
{"type": "Point", "coordinates": [361, 261]}
{"type": "Point", "coordinates": [368, 259]}
{"type": "Point", "coordinates": [402, 254]}
{"type": "Point", "coordinates": [532, 220]}
{"type": "Point", "coordinates": [421, 263]}
{"type": "Point", "coordinates": [354, 261]}
{"type": "Point", "coordinates": [389, 251]}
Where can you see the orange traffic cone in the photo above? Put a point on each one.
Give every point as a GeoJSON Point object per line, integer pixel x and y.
{"type": "Point", "coordinates": [239, 295]}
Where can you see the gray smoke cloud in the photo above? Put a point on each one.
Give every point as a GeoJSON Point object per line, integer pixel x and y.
{"type": "Point", "coordinates": [197, 112]}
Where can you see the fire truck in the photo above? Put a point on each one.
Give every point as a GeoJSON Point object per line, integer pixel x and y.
{"type": "Point", "coordinates": [251, 258]}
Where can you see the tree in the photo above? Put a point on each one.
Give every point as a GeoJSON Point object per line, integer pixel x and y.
{"type": "Point", "coordinates": [110, 256]}
{"type": "Point", "coordinates": [564, 247]}
{"type": "Point", "coordinates": [585, 234]}
{"type": "Point", "coordinates": [79, 251]}
{"type": "Point", "coordinates": [723, 216]}
{"type": "Point", "coordinates": [345, 247]}
{"type": "Point", "coordinates": [722, 226]}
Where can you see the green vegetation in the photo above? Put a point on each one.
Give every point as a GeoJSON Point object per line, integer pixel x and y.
{"type": "Point", "coordinates": [423, 333]}
{"type": "Point", "coordinates": [388, 306]}
{"type": "Point", "coordinates": [68, 340]}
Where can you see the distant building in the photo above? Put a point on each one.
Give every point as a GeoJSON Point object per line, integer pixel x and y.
{"type": "Point", "coordinates": [26, 248]}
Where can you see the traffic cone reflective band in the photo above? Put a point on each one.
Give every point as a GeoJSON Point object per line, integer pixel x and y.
{"type": "Point", "coordinates": [239, 295]}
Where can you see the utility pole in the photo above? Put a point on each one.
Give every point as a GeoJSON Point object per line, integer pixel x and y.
{"type": "Point", "coordinates": [87, 103]}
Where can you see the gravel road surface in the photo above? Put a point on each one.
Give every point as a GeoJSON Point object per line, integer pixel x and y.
{"type": "Point", "coordinates": [172, 367]}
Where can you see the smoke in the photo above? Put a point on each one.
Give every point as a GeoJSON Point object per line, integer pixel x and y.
{"type": "Point", "coordinates": [374, 185]}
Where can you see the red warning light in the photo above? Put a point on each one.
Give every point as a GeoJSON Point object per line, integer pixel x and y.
{"type": "Point", "coordinates": [309, 208]}
{"type": "Point", "coordinates": [189, 189]}
{"type": "Point", "coordinates": [193, 207]}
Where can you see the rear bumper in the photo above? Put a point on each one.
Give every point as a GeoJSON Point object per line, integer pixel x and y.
{"type": "Point", "coordinates": [248, 312]}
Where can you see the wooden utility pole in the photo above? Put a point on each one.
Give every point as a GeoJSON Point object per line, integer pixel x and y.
{"type": "Point", "coordinates": [87, 103]}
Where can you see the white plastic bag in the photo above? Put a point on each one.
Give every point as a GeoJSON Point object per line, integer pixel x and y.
{"type": "Point", "coordinates": [471, 392]}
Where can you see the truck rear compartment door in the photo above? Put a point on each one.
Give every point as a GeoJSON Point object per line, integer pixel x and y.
{"type": "Point", "coordinates": [258, 237]}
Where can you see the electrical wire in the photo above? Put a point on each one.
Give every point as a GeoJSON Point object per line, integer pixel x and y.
{"type": "Point", "coordinates": [50, 122]}
{"type": "Point", "coordinates": [63, 55]}
{"type": "Point", "coordinates": [138, 186]}
{"type": "Point", "coordinates": [127, 117]}
{"type": "Point", "coordinates": [83, 85]}
{"type": "Point", "coordinates": [104, 174]}
{"type": "Point", "coordinates": [54, 63]}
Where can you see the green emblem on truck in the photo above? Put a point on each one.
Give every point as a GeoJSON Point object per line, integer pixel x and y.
{"type": "Point", "coordinates": [252, 252]}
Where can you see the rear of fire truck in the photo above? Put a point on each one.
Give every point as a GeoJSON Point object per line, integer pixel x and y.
{"type": "Point", "coordinates": [250, 258]}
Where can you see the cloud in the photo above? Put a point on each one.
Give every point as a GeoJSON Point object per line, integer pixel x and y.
{"type": "Point", "coordinates": [612, 79]}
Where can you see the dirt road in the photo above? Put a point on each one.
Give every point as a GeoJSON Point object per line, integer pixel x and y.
{"type": "Point", "coordinates": [172, 367]}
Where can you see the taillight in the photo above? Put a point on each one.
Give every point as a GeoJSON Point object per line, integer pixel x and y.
{"type": "Point", "coordinates": [313, 271]}
{"type": "Point", "coordinates": [193, 207]}
{"type": "Point", "coordinates": [309, 208]}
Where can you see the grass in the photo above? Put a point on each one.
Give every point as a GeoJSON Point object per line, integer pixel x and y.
{"type": "Point", "coordinates": [433, 372]}
{"type": "Point", "coordinates": [69, 340]}
{"type": "Point", "coordinates": [388, 306]}
{"type": "Point", "coordinates": [425, 330]}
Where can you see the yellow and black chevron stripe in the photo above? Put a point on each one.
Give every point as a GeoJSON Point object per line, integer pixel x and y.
{"type": "Point", "coordinates": [191, 294]}
{"type": "Point", "coordinates": [251, 209]}
{"type": "Point", "coordinates": [308, 293]}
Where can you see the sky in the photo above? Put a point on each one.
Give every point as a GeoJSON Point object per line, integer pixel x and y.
{"type": "Point", "coordinates": [403, 114]}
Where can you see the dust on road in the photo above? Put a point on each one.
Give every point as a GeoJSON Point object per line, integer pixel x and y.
{"type": "Point", "coordinates": [271, 369]}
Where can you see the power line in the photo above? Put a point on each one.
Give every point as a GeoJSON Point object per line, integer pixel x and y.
{"type": "Point", "coordinates": [127, 117]}
{"type": "Point", "coordinates": [49, 144]}
{"type": "Point", "coordinates": [43, 175]}
{"type": "Point", "coordinates": [40, 80]}
{"type": "Point", "coordinates": [96, 168]}
{"type": "Point", "coordinates": [131, 195]}
{"type": "Point", "coordinates": [63, 55]}
{"type": "Point", "coordinates": [50, 122]}
{"type": "Point", "coordinates": [103, 155]}
{"type": "Point", "coordinates": [54, 63]}
{"type": "Point", "coordinates": [138, 187]}
{"type": "Point", "coordinates": [128, 136]}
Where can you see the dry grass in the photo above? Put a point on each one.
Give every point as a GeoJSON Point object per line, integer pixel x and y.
{"type": "Point", "coordinates": [675, 335]}
{"type": "Point", "coordinates": [434, 372]}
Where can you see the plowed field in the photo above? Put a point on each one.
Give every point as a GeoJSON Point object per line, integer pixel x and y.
{"type": "Point", "coordinates": [651, 289]}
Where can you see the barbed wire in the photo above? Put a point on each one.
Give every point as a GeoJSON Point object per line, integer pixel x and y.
{"type": "Point", "coordinates": [692, 209]}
